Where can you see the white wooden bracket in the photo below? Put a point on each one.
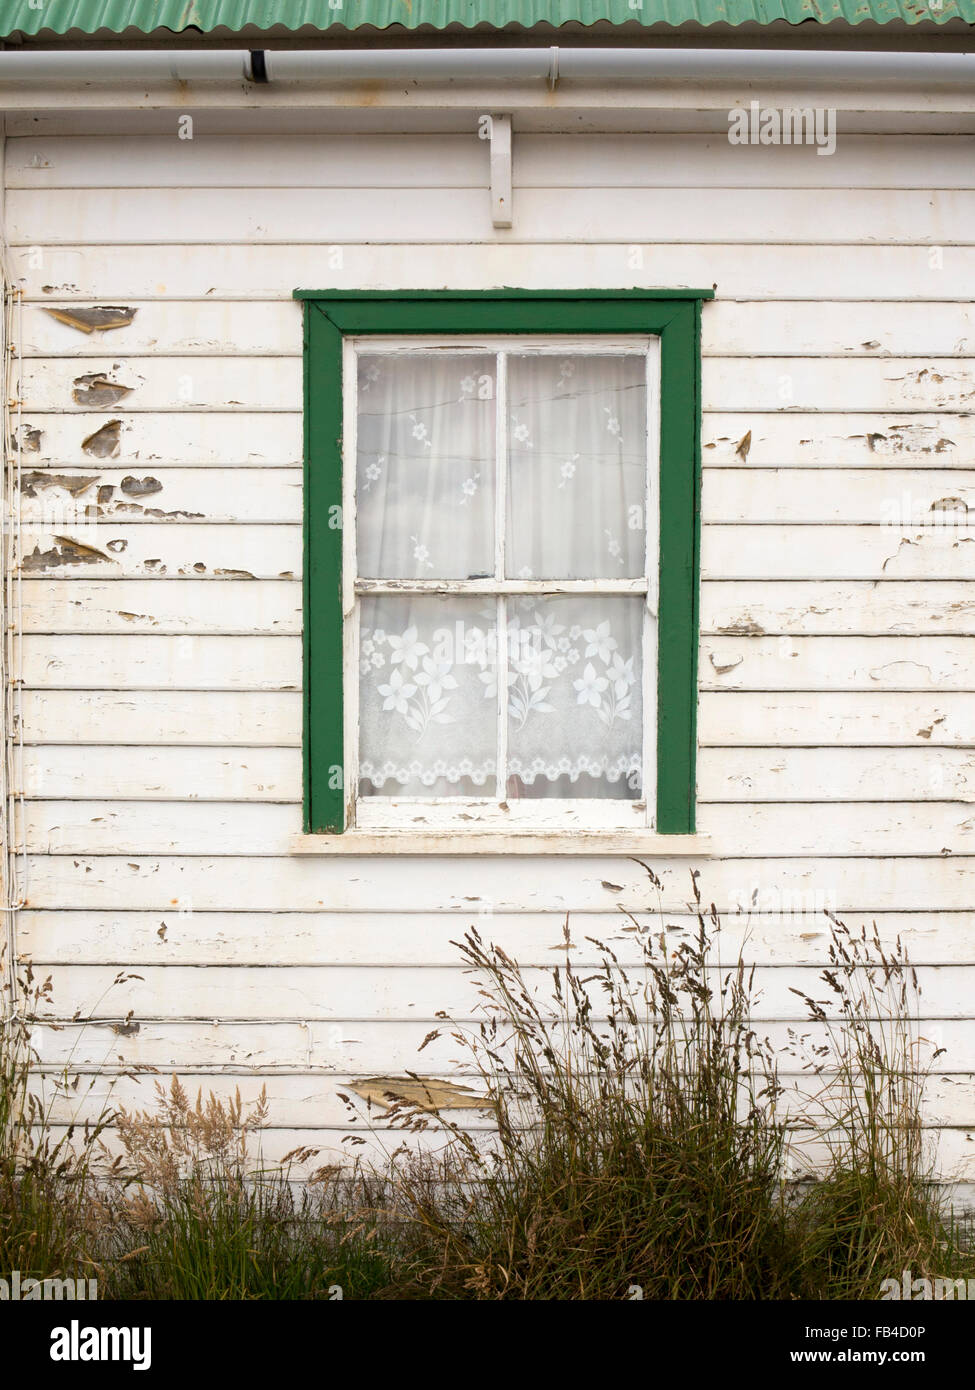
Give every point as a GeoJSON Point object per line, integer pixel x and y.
{"type": "Point", "coordinates": [501, 171]}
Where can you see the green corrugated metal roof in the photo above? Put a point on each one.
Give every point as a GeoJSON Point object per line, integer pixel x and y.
{"type": "Point", "coordinates": [90, 16]}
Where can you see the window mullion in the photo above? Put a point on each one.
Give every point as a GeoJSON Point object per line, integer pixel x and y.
{"type": "Point", "coordinates": [500, 521]}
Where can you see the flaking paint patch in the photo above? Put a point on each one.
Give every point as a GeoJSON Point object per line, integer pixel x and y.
{"type": "Point", "coordinates": [30, 439]}
{"type": "Point", "coordinates": [901, 671]}
{"type": "Point", "coordinates": [95, 391]}
{"type": "Point", "coordinates": [743, 627]}
{"type": "Point", "coordinates": [140, 487]}
{"type": "Point", "coordinates": [419, 1092]}
{"type": "Point", "coordinates": [904, 540]}
{"type": "Point", "coordinates": [104, 443]}
{"type": "Point", "coordinates": [907, 439]}
{"type": "Point", "coordinates": [38, 480]}
{"type": "Point", "coordinates": [928, 376]}
{"type": "Point", "coordinates": [926, 733]}
{"type": "Point", "coordinates": [108, 505]}
{"type": "Point", "coordinates": [65, 552]}
{"type": "Point", "coordinates": [101, 317]}
{"type": "Point", "coordinates": [722, 667]}
{"type": "Point", "coordinates": [159, 513]}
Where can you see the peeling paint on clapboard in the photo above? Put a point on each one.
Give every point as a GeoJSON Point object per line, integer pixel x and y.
{"type": "Point", "coordinates": [742, 627]}
{"type": "Point", "coordinates": [104, 443]}
{"type": "Point", "coordinates": [907, 439]}
{"type": "Point", "coordinates": [107, 505]}
{"type": "Point", "coordinates": [926, 375]}
{"type": "Point", "coordinates": [904, 540]}
{"type": "Point", "coordinates": [883, 717]}
{"type": "Point", "coordinates": [100, 317]}
{"type": "Point", "coordinates": [29, 439]}
{"type": "Point", "coordinates": [66, 552]}
{"type": "Point", "coordinates": [96, 390]}
{"type": "Point", "coordinates": [140, 487]}
{"type": "Point", "coordinates": [418, 1093]}
{"type": "Point", "coordinates": [39, 480]}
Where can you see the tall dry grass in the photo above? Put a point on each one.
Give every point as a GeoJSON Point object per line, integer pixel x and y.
{"type": "Point", "coordinates": [638, 1142]}
{"type": "Point", "coordinates": [47, 1171]}
{"type": "Point", "coordinates": [878, 1207]}
{"type": "Point", "coordinates": [639, 1145]}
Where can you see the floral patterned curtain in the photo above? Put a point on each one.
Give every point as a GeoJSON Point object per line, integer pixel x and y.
{"type": "Point", "coordinates": [574, 476]}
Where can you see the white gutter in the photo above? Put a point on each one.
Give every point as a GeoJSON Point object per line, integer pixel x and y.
{"type": "Point", "coordinates": [80, 66]}
{"type": "Point", "coordinates": [550, 65]}
{"type": "Point", "coordinates": [555, 65]}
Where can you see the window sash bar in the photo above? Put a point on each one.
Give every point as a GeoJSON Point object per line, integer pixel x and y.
{"type": "Point", "coordinates": [500, 586]}
{"type": "Point", "coordinates": [500, 540]}
{"type": "Point", "coordinates": [542, 587]}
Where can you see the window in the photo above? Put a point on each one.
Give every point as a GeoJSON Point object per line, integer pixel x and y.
{"type": "Point", "coordinates": [501, 562]}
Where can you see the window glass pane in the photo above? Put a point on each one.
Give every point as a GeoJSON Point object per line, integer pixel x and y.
{"type": "Point", "coordinates": [425, 449]}
{"type": "Point", "coordinates": [575, 697]}
{"type": "Point", "coordinates": [428, 706]}
{"type": "Point", "coordinates": [577, 428]}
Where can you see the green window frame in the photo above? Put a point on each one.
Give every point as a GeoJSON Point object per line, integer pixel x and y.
{"type": "Point", "coordinates": [674, 317]}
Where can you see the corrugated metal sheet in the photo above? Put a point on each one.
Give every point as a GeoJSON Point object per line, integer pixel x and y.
{"type": "Point", "coordinates": [90, 16]}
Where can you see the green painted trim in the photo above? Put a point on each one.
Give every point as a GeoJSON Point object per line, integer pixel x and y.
{"type": "Point", "coordinates": [306, 313]}
{"type": "Point", "coordinates": [322, 655]}
{"type": "Point", "coordinates": [680, 522]}
{"type": "Point", "coordinates": [676, 318]}
{"type": "Point", "coordinates": [474, 296]}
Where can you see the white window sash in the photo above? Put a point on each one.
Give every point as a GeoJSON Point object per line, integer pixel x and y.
{"type": "Point", "coordinates": [396, 812]}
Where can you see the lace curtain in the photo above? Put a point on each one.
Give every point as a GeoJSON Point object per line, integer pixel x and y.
{"type": "Point", "coordinates": [427, 479]}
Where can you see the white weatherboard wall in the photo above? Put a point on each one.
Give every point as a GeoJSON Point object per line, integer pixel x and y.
{"type": "Point", "coordinates": [161, 655]}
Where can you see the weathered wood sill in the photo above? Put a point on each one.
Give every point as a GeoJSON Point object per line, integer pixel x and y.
{"type": "Point", "coordinates": [473, 843]}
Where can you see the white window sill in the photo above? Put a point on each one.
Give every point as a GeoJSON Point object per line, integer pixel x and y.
{"type": "Point", "coordinates": [466, 842]}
